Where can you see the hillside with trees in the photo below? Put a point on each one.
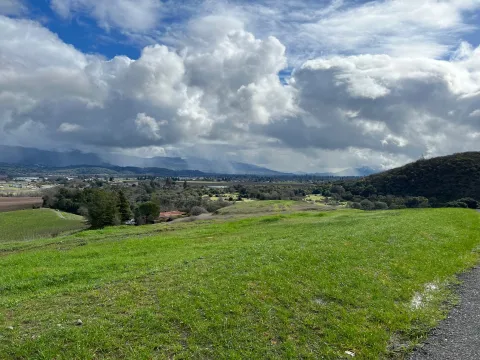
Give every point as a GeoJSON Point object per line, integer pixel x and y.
{"type": "Point", "coordinates": [442, 179]}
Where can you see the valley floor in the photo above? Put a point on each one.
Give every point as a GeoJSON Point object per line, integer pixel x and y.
{"type": "Point", "coordinates": [306, 284]}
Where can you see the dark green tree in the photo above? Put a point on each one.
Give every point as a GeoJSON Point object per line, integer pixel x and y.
{"type": "Point", "coordinates": [146, 213]}
{"type": "Point", "coordinates": [169, 183]}
{"type": "Point", "coordinates": [124, 207]}
{"type": "Point", "coordinates": [102, 208]}
{"type": "Point", "coordinates": [338, 189]}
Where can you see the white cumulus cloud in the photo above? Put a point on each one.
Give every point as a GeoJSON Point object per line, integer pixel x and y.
{"type": "Point", "coordinates": [379, 95]}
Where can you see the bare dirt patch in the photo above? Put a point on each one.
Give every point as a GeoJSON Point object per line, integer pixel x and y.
{"type": "Point", "coordinates": [19, 203]}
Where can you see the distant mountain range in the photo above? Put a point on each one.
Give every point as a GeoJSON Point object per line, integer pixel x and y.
{"type": "Point", "coordinates": [217, 166]}
{"type": "Point", "coordinates": [19, 170]}
{"type": "Point", "coordinates": [30, 157]}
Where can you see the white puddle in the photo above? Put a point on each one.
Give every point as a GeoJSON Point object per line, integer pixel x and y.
{"type": "Point", "coordinates": [419, 299]}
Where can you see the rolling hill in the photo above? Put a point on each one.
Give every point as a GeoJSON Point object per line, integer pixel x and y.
{"type": "Point", "coordinates": [445, 178]}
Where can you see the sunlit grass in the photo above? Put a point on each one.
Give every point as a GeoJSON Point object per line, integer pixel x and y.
{"type": "Point", "coordinates": [33, 224]}
{"type": "Point", "coordinates": [301, 285]}
{"type": "Point", "coordinates": [315, 198]}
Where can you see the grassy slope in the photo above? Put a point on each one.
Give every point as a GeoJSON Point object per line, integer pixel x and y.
{"type": "Point", "coordinates": [285, 286]}
{"type": "Point", "coordinates": [265, 207]}
{"type": "Point", "coordinates": [32, 224]}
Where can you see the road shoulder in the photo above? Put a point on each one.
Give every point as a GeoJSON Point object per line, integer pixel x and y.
{"type": "Point", "coordinates": [458, 336]}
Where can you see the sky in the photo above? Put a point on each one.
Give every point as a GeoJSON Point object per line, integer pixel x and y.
{"type": "Point", "coordinates": [294, 85]}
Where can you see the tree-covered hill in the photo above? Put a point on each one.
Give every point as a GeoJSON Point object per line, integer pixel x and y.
{"type": "Point", "coordinates": [445, 178]}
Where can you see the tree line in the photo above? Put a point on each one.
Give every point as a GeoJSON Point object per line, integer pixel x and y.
{"type": "Point", "coordinates": [100, 206]}
{"type": "Point", "coordinates": [106, 205]}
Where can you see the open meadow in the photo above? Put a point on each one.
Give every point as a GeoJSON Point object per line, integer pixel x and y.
{"type": "Point", "coordinates": [269, 206]}
{"type": "Point", "coordinates": [27, 225]}
{"type": "Point", "coordinates": [296, 285]}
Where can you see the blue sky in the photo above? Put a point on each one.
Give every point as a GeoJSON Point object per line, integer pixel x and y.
{"type": "Point", "coordinates": [84, 31]}
{"type": "Point", "coordinates": [294, 85]}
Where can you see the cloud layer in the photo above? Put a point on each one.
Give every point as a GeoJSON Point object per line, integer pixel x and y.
{"type": "Point", "coordinates": [12, 7]}
{"type": "Point", "coordinates": [216, 89]}
{"type": "Point", "coordinates": [129, 15]}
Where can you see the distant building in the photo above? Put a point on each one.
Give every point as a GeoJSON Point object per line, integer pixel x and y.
{"type": "Point", "coordinates": [27, 179]}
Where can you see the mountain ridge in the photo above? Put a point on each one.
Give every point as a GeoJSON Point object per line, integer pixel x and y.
{"type": "Point", "coordinates": [58, 159]}
{"type": "Point", "coordinates": [31, 156]}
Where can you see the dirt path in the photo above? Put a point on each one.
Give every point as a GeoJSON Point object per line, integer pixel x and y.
{"type": "Point", "coordinates": [458, 336]}
{"type": "Point", "coordinates": [60, 215]}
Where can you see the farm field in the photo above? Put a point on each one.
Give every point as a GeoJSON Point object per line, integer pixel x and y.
{"type": "Point", "coordinates": [25, 190]}
{"type": "Point", "coordinates": [292, 285]}
{"type": "Point", "coordinates": [26, 225]}
{"type": "Point", "coordinates": [19, 203]}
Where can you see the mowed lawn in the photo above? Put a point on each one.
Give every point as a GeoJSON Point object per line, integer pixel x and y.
{"type": "Point", "coordinates": [33, 224]}
{"type": "Point", "coordinates": [305, 285]}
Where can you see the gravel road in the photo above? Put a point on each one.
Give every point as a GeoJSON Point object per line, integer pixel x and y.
{"type": "Point", "coordinates": [458, 336]}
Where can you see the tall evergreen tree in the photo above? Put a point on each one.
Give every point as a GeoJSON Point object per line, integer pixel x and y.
{"type": "Point", "coordinates": [124, 207]}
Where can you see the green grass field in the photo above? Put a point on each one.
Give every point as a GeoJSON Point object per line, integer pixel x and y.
{"type": "Point", "coordinates": [315, 198]}
{"type": "Point", "coordinates": [301, 285]}
{"type": "Point", "coordinates": [225, 197]}
{"type": "Point", "coordinates": [266, 207]}
{"type": "Point", "coordinates": [33, 224]}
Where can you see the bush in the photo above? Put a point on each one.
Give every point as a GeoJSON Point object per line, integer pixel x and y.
{"type": "Point", "coordinates": [456, 204]}
{"type": "Point", "coordinates": [355, 205]}
{"type": "Point", "coordinates": [380, 205]}
{"type": "Point", "coordinates": [367, 205]}
{"type": "Point", "coordinates": [471, 203]}
{"type": "Point", "coordinates": [213, 206]}
{"type": "Point", "coordinates": [417, 202]}
{"type": "Point", "coordinates": [198, 210]}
